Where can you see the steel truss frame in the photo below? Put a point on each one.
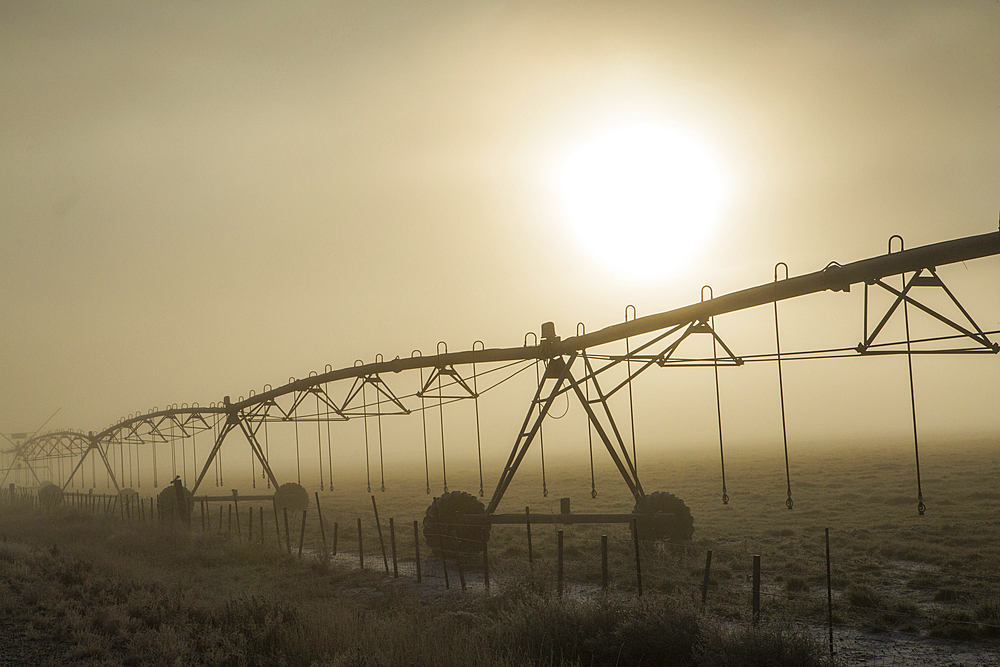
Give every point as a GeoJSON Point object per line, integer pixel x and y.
{"type": "Point", "coordinates": [559, 355]}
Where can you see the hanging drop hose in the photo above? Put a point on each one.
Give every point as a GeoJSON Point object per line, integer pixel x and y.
{"type": "Point", "coordinates": [718, 400]}
{"type": "Point", "coordinates": [329, 440]}
{"type": "Point", "coordinates": [121, 456]}
{"type": "Point", "coordinates": [155, 482]}
{"type": "Point", "coordinates": [194, 443]}
{"type": "Point", "coordinates": [368, 465]}
{"type": "Point", "coordinates": [173, 459]}
{"type": "Point", "coordinates": [631, 413]}
{"type": "Point", "coordinates": [267, 451]}
{"type": "Point", "coordinates": [781, 390]}
{"type": "Point", "coordinates": [378, 420]}
{"type": "Point", "coordinates": [215, 439]}
{"type": "Point", "coordinates": [253, 471]}
{"type": "Point", "coordinates": [475, 391]}
{"type": "Point", "coordinates": [581, 330]}
{"type": "Point", "coordinates": [184, 461]}
{"type": "Point", "coordinates": [319, 443]}
{"type": "Point", "coordinates": [423, 420]}
{"type": "Point", "coordinates": [541, 441]}
{"type": "Point", "coordinates": [718, 410]}
{"type": "Point", "coordinates": [222, 469]}
{"type": "Point", "coordinates": [138, 469]}
{"type": "Point", "coordinates": [921, 508]}
{"type": "Point", "coordinates": [298, 458]}
{"type": "Point", "coordinates": [444, 461]}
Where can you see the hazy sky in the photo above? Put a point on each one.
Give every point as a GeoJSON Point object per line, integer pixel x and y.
{"type": "Point", "coordinates": [202, 197]}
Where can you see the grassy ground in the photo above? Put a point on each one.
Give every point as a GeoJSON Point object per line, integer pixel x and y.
{"type": "Point", "coordinates": [126, 593]}
{"type": "Point", "coordinates": [137, 595]}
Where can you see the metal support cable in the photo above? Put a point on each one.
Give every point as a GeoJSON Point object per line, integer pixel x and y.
{"type": "Point", "coordinates": [781, 391]}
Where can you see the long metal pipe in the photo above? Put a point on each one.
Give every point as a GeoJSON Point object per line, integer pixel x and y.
{"type": "Point", "coordinates": [834, 277]}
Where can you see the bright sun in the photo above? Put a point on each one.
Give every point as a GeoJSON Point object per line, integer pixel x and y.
{"type": "Point", "coordinates": [641, 198]}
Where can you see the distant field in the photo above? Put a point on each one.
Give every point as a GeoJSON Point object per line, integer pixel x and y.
{"type": "Point", "coordinates": [892, 569]}
{"type": "Point", "coordinates": [930, 581]}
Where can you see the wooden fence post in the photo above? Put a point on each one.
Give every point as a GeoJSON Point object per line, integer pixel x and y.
{"type": "Point", "coordinates": [486, 565]}
{"type": "Point", "coordinates": [361, 546]}
{"type": "Point", "coordinates": [756, 590]}
{"type": "Point", "coordinates": [236, 504]}
{"type": "Point", "coordinates": [288, 537]}
{"type": "Point", "coordinates": [829, 592]}
{"type": "Point", "coordinates": [416, 548]}
{"type": "Point", "coordinates": [302, 535]}
{"type": "Point", "coordinates": [458, 560]}
{"type": "Point", "coordinates": [559, 563]}
{"type": "Point", "coordinates": [392, 543]}
{"type": "Point", "coordinates": [704, 583]}
{"type": "Point", "coordinates": [381, 540]}
{"type": "Point", "coordinates": [604, 562]}
{"type": "Point", "coordinates": [527, 524]}
{"type": "Point", "coordinates": [322, 528]}
{"type": "Point", "coordinates": [638, 562]}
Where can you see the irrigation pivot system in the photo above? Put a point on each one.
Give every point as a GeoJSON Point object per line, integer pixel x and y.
{"type": "Point", "coordinates": [576, 367]}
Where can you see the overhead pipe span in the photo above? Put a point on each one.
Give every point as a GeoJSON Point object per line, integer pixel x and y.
{"type": "Point", "coordinates": [835, 277]}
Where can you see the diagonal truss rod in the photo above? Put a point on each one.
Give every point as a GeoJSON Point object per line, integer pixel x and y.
{"type": "Point", "coordinates": [559, 371]}
{"type": "Point", "coordinates": [919, 280]}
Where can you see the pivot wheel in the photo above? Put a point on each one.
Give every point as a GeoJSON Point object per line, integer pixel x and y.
{"type": "Point", "coordinates": [49, 496]}
{"type": "Point", "coordinates": [677, 527]}
{"type": "Point", "coordinates": [445, 529]}
{"type": "Point", "coordinates": [292, 496]}
{"type": "Point", "coordinates": [168, 505]}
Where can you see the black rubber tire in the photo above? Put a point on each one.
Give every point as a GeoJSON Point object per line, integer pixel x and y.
{"type": "Point", "coordinates": [679, 527]}
{"type": "Point", "coordinates": [441, 519]}
{"type": "Point", "coordinates": [293, 496]}
{"type": "Point", "coordinates": [49, 496]}
{"type": "Point", "coordinates": [166, 503]}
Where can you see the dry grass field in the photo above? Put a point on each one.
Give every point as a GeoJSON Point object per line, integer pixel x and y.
{"type": "Point", "coordinates": [117, 592]}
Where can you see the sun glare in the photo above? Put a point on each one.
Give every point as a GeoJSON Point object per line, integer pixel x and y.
{"type": "Point", "coordinates": [641, 198]}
